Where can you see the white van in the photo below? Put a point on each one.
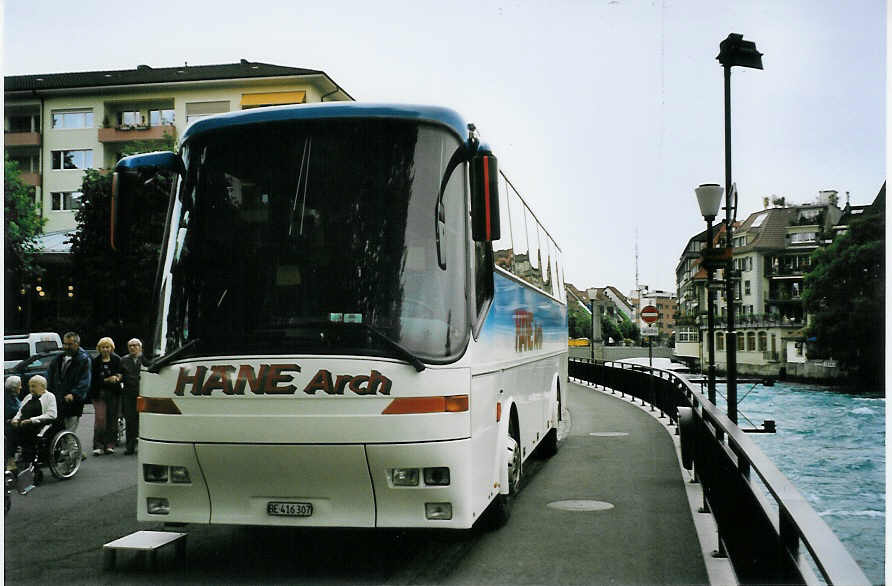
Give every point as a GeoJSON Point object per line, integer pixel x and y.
{"type": "Point", "coordinates": [18, 347]}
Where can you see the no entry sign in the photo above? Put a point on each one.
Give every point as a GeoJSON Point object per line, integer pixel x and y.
{"type": "Point", "coordinates": [649, 314]}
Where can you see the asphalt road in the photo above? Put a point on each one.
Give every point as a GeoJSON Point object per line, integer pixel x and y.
{"type": "Point", "coordinates": [55, 534]}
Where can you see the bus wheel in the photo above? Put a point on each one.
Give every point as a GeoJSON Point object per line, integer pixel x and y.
{"type": "Point", "coordinates": [549, 445]}
{"type": "Point", "coordinates": [500, 509]}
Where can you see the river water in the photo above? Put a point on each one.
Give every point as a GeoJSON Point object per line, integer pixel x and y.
{"type": "Point", "coordinates": [831, 445]}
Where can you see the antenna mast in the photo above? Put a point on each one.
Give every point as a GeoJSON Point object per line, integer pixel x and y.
{"type": "Point", "coordinates": [636, 258]}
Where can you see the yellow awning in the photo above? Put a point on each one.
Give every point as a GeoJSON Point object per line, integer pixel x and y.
{"type": "Point", "coordinates": [273, 99]}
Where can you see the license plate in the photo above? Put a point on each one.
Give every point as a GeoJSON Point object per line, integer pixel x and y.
{"type": "Point", "coordinates": [289, 509]}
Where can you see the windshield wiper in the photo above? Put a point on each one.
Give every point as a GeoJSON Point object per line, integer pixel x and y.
{"type": "Point", "coordinates": [158, 364]}
{"type": "Point", "coordinates": [400, 350]}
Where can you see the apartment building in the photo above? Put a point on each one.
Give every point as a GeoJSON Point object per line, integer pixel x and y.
{"type": "Point", "coordinates": [57, 125]}
{"type": "Point", "coordinates": [771, 254]}
{"type": "Point", "coordinates": [613, 303]}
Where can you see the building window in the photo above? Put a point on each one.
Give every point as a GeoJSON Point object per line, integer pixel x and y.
{"type": "Point", "coordinates": [73, 119]}
{"type": "Point", "coordinates": [24, 123]}
{"type": "Point", "coordinates": [161, 117]}
{"type": "Point", "coordinates": [763, 342]}
{"type": "Point", "coordinates": [740, 345]}
{"type": "Point", "coordinates": [129, 118]}
{"type": "Point", "coordinates": [751, 341]}
{"type": "Point", "coordinates": [800, 237]}
{"type": "Point", "coordinates": [26, 163]}
{"type": "Point", "coordinates": [65, 201]}
{"type": "Point", "coordinates": [198, 110]}
{"type": "Point", "coordinates": [82, 159]}
{"type": "Point", "coordinates": [746, 287]}
{"type": "Point", "coordinates": [720, 341]}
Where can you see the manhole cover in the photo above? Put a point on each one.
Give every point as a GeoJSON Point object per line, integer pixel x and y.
{"type": "Point", "coordinates": [580, 505]}
{"type": "Point", "coordinates": [608, 433]}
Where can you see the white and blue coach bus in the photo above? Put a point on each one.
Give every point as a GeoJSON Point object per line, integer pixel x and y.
{"type": "Point", "coordinates": [359, 323]}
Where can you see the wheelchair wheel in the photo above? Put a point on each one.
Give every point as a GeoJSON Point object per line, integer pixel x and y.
{"type": "Point", "coordinates": [64, 455]}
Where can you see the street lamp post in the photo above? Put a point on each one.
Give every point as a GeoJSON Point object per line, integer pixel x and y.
{"type": "Point", "coordinates": [709, 197]}
{"type": "Point", "coordinates": [732, 51]}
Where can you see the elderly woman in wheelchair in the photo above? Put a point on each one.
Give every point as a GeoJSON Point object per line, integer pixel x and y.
{"type": "Point", "coordinates": [39, 432]}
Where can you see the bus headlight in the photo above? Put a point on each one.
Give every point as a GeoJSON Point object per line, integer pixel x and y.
{"type": "Point", "coordinates": [154, 473]}
{"type": "Point", "coordinates": [436, 476]}
{"type": "Point", "coordinates": [179, 475]}
{"type": "Point", "coordinates": [405, 476]}
{"type": "Point", "coordinates": [157, 506]}
{"type": "Point", "coordinates": [438, 511]}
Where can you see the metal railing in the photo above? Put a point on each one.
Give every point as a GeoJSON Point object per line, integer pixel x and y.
{"type": "Point", "coordinates": [761, 529]}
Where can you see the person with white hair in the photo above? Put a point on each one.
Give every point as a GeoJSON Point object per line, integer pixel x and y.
{"type": "Point", "coordinates": [106, 395]}
{"type": "Point", "coordinates": [38, 408]}
{"type": "Point", "coordinates": [131, 365]}
{"type": "Point", "coordinates": [11, 405]}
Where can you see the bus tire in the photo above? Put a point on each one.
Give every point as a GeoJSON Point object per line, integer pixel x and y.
{"type": "Point", "coordinates": [549, 445]}
{"type": "Point", "coordinates": [499, 510]}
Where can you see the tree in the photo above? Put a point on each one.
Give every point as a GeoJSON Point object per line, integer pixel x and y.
{"type": "Point", "coordinates": [609, 329]}
{"type": "Point", "coordinates": [629, 330]}
{"type": "Point", "coordinates": [845, 295]}
{"type": "Point", "coordinates": [116, 287]}
{"type": "Point", "coordinates": [579, 321]}
{"type": "Point", "coordinates": [23, 224]}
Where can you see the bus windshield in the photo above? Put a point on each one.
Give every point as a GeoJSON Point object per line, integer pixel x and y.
{"type": "Point", "coordinates": [320, 237]}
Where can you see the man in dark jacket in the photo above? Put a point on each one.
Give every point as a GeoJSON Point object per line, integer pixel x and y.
{"type": "Point", "coordinates": [130, 366]}
{"type": "Point", "coordinates": [69, 379]}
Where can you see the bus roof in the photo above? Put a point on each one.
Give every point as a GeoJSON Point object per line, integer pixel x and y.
{"type": "Point", "coordinates": [331, 110]}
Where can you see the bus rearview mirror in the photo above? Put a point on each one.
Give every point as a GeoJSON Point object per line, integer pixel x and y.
{"type": "Point", "coordinates": [485, 198]}
{"type": "Point", "coordinates": [130, 173]}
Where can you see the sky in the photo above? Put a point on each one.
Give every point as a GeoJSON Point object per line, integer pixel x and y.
{"type": "Point", "coordinates": [604, 114]}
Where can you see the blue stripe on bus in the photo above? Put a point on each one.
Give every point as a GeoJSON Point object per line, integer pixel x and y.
{"type": "Point", "coordinates": [523, 320]}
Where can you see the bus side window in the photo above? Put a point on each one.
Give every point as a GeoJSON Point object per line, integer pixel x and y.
{"type": "Point", "coordinates": [547, 263]}
{"type": "Point", "coordinates": [503, 250]}
{"type": "Point", "coordinates": [535, 274]}
{"type": "Point", "coordinates": [484, 286]}
{"type": "Point", "coordinates": [519, 235]}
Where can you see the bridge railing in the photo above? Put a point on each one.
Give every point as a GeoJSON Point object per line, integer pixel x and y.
{"type": "Point", "coordinates": [763, 520]}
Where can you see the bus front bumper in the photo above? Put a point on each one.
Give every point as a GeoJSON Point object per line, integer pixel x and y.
{"type": "Point", "coordinates": [344, 485]}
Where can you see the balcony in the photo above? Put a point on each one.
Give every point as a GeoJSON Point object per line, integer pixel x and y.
{"type": "Point", "coordinates": [32, 179]}
{"type": "Point", "coordinates": [758, 321]}
{"type": "Point", "coordinates": [782, 271]}
{"type": "Point", "coordinates": [783, 298]}
{"type": "Point", "coordinates": [14, 139]}
{"type": "Point", "coordinates": [130, 133]}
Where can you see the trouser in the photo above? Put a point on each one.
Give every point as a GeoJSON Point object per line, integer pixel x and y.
{"type": "Point", "coordinates": [21, 435]}
{"type": "Point", "coordinates": [105, 427]}
{"type": "Point", "coordinates": [131, 417]}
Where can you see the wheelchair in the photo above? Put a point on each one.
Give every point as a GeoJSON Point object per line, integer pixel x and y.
{"type": "Point", "coordinates": [56, 448]}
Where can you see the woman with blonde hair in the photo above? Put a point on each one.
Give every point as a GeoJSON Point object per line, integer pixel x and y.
{"type": "Point", "coordinates": [105, 392]}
